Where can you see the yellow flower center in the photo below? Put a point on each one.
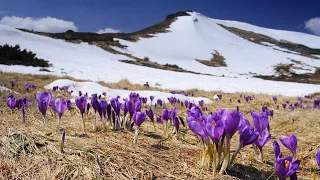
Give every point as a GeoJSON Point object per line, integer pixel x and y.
{"type": "Point", "coordinates": [287, 164]}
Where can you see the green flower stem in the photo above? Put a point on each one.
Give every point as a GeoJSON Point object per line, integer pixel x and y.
{"type": "Point", "coordinates": [45, 121]}
{"type": "Point", "coordinates": [226, 159]}
{"type": "Point", "coordinates": [235, 155]}
{"type": "Point", "coordinates": [136, 135]}
{"type": "Point", "coordinates": [95, 122]}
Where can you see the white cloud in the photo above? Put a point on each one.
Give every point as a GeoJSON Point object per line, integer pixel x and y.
{"type": "Point", "coordinates": [313, 25]}
{"type": "Point", "coordinates": [47, 24]}
{"type": "Point", "coordinates": [108, 30]}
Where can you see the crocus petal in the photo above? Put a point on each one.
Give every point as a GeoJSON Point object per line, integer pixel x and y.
{"type": "Point", "coordinates": [149, 113]}
{"type": "Point", "coordinates": [231, 122]}
{"type": "Point", "coordinates": [290, 142]}
{"type": "Point", "coordinates": [139, 118]}
{"type": "Point", "coordinates": [263, 138]}
{"type": "Point", "coordinates": [318, 157]}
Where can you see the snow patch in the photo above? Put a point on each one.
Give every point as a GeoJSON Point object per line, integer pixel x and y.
{"type": "Point", "coordinates": [5, 89]}
{"type": "Point", "coordinates": [95, 88]}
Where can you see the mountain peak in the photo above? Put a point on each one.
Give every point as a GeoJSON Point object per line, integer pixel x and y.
{"type": "Point", "coordinates": [177, 14]}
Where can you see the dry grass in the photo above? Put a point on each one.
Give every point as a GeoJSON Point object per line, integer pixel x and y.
{"type": "Point", "coordinates": [30, 151]}
{"type": "Point", "coordinates": [217, 60]}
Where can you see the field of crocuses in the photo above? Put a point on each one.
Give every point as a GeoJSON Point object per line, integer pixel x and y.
{"type": "Point", "coordinates": [48, 134]}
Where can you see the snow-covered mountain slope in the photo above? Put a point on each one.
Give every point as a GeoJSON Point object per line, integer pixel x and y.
{"type": "Point", "coordinates": [296, 37]}
{"type": "Point", "coordinates": [197, 36]}
{"type": "Point", "coordinates": [190, 37]}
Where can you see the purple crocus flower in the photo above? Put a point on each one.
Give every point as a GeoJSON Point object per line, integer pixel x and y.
{"type": "Point", "coordinates": [133, 95]}
{"type": "Point", "coordinates": [151, 98]}
{"type": "Point", "coordinates": [318, 157]}
{"type": "Point", "coordinates": [159, 119]}
{"type": "Point", "coordinates": [146, 85]}
{"type": "Point", "coordinates": [201, 102]}
{"type": "Point", "coordinates": [284, 106]}
{"type": "Point", "coordinates": [186, 103]}
{"type": "Point", "coordinates": [44, 99]}
{"type": "Point", "coordinates": [103, 106]}
{"type": "Point", "coordinates": [11, 102]}
{"type": "Point", "coordinates": [239, 101]}
{"type": "Point", "coordinates": [138, 118]}
{"type": "Point", "coordinates": [130, 107]}
{"type": "Point", "coordinates": [60, 106]}
{"type": "Point", "coordinates": [270, 113]}
{"type": "Point", "coordinates": [24, 102]}
{"type": "Point", "coordinates": [12, 84]}
{"type": "Point", "coordinates": [197, 126]}
{"type": "Point", "coordinates": [214, 128]}
{"type": "Point", "coordinates": [149, 113]}
{"type": "Point", "coordinates": [104, 93]}
{"type": "Point", "coordinates": [69, 105]}
{"type": "Point", "coordinates": [286, 167]}
{"type": "Point", "coordinates": [80, 93]}
{"type": "Point", "coordinates": [260, 121]}
{"type": "Point", "coordinates": [81, 103]}
{"type": "Point", "coordinates": [291, 143]}
{"type": "Point", "coordinates": [276, 148]}
{"type": "Point", "coordinates": [275, 99]}
{"type": "Point", "coordinates": [248, 98]}
{"type": "Point", "coordinates": [159, 102]}
{"type": "Point", "coordinates": [231, 122]}
{"type": "Point", "coordinates": [165, 114]}
{"type": "Point", "coordinates": [248, 136]}
{"type": "Point", "coordinates": [88, 106]}
{"type": "Point", "coordinates": [263, 138]}
{"type": "Point", "coordinates": [176, 124]}
{"type": "Point", "coordinates": [173, 113]}
{"type": "Point", "coordinates": [195, 112]}
{"type": "Point", "coordinates": [115, 105]}
{"type": "Point", "coordinates": [172, 100]}
{"type": "Point", "coordinates": [137, 105]}
{"type": "Point", "coordinates": [243, 123]}
{"type": "Point", "coordinates": [109, 108]}
{"type": "Point", "coordinates": [144, 100]}
{"type": "Point", "coordinates": [55, 88]}
{"type": "Point", "coordinates": [264, 108]}
{"type": "Point", "coordinates": [94, 98]}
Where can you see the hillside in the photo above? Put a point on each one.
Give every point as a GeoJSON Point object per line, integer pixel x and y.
{"type": "Point", "coordinates": [187, 47]}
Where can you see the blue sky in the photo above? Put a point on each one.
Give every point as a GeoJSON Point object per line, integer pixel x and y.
{"type": "Point", "coordinates": [132, 15]}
